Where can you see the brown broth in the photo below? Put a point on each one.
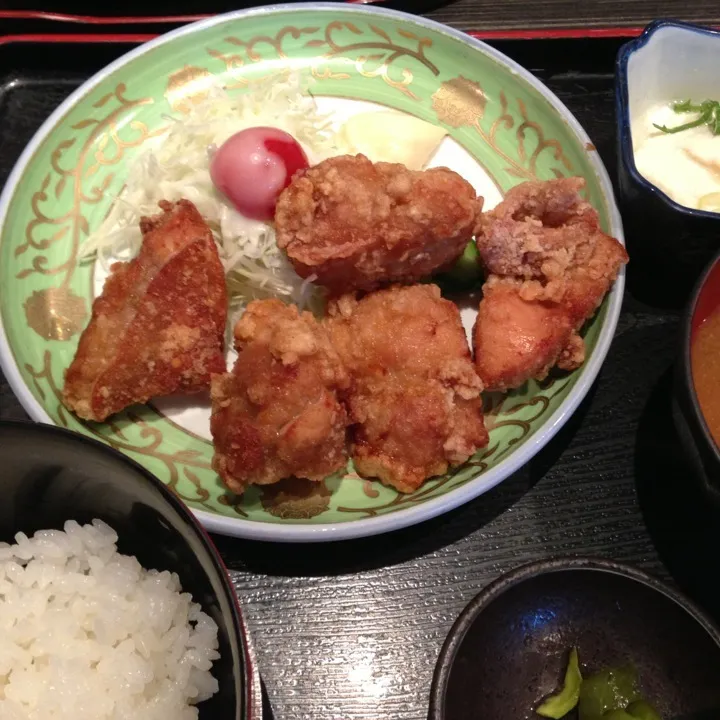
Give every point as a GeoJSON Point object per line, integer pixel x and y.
{"type": "Point", "coordinates": [705, 359]}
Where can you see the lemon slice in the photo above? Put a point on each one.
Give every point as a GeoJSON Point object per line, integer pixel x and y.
{"type": "Point", "coordinates": [710, 202]}
{"type": "Point", "coordinates": [393, 137]}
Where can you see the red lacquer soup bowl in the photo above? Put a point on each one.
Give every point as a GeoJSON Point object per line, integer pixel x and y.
{"type": "Point", "coordinates": [697, 380]}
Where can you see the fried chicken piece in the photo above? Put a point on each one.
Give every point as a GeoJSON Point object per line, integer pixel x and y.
{"type": "Point", "coordinates": [277, 414]}
{"type": "Point", "coordinates": [414, 399]}
{"type": "Point", "coordinates": [549, 265]}
{"type": "Point", "coordinates": [545, 231]}
{"type": "Point", "coordinates": [158, 326]}
{"type": "Point", "coordinates": [516, 339]}
{"type": "Point", "coordinates": [357, 225]}
{"type": "Point", "coordinates": [536, 231]}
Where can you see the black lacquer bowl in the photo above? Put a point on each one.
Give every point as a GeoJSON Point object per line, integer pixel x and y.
{"type": "Point", "coordinates": [509, 647]}
{"type": "Point", "coordinates": [700, 448]}
{"type": "Point", "coordinates": [49, 475]}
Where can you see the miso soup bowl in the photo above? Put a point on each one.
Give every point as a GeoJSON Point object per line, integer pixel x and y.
{"type": "Point", "coordinates": [669, 61]}
{"type": "Point", "coordinates": [700, 448]}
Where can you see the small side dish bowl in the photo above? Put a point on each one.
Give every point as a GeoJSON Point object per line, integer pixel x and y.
{"type": "Point", "coordinates": [697, 437]}
{"type": "Point", "coordinates": [50, 475]}
{"type": "Point", "coordinates": [670, 61]}
{"type": "Point", "coordinates": [509, 647]}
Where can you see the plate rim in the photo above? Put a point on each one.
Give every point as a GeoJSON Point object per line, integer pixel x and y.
{"type": "Point", "coordinates": [396, 520]}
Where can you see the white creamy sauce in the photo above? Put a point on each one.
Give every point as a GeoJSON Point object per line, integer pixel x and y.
{"type": "Point", "coordinates": [684, 165]}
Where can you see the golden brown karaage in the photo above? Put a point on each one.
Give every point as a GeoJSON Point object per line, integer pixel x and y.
{"type": "Point", "coordinates": [353, 224]}
{"type": "Point", "coordinates": [277, 414]}
{"type": "Point", "coordinates": [414, 398]}
{"type": "Point", "coordinates": [549, 266]}
{"type": "Point", "coordinates": [515, 339]}
{"type": "Point", "coordinates": [158, 326]}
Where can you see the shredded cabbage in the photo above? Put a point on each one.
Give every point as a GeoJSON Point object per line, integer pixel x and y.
{"type": "Point", "coordinates": [178, 167]}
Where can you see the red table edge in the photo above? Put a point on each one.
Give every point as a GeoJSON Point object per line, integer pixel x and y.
{"type": "Point", "coordinates": [497, 34]}
{"type": "Point", "coordinates": [77, 38]}
{"type": "Point", "coordinates": [121, 20]}
{"type": "Point", "coordinates": [546, 34]}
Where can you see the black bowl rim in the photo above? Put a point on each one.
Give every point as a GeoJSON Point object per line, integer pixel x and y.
{"type": "Point", "coordinates": [686, 364]}
{"type": "Point", "coordinates": [622, 109]}
{"type": "Point", "coordinates": [531, 570]}
{"type": "Point", "coordinates": [251, 704]}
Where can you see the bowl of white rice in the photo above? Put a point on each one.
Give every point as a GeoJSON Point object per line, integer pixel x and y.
{"type": "Point", "coordinates": [114, 603]}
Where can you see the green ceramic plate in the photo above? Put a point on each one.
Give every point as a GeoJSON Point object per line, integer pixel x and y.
{"type": "Point", "coordinates": [505, 127]}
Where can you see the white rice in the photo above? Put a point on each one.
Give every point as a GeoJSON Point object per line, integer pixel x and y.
{"type": "Point", "coordinates": [88, 634]}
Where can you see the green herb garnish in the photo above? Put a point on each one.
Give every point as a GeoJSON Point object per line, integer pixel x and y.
{"type": "Point", "coordinates": [708, 114]}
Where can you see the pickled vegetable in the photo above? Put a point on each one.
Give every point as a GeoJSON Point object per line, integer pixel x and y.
{"type": "Point", "coordinates": [562, 703]}
{"type": "Point", "coordinates": [611, 694]}
{"type": "Point", "coordinates": [642, 710]}
{"type": "Point", "coordinates": [611, 689]}
{"type": "Point", "coordinates": [638, 710]}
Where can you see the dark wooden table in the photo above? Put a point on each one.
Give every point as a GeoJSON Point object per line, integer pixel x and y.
{"type": "Point", "coordinates": [351, 631]}
{"type": "Point", "coordinates": [521, 14]}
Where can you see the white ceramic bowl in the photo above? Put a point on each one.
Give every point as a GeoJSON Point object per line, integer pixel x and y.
{"type": "Point", "coordinates": [670, 61]}
{"type": "Point", "coordinates": [670, 243]}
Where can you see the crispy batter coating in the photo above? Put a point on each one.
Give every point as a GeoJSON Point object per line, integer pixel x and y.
{"type": "Point", "coordinates": [277, 414]}
{"type": "Point", "coordinates": [414, 399]}
{"type": "Point", "coordinates": [158, 326]}
{"type": "Point", "coordinates": [549, 266]}
{"type": "Point", "coordinates": [515, 339]}
{"type": "Point", "coordinates": [358, 225]}
{"type": "Point", "coordinates": [537, 230]}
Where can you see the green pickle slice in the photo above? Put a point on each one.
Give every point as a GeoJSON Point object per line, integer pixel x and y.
{"type": "Point", "coordinates": [611, 694]}
{"type": "Point", "coordinates": [607, 690]}
{"type": "Point", "coordinates": [559, 705]}
{"type": "Point", "coordinates": [643, 710]}
{"type": "Point", "coordinates": [639, 710]}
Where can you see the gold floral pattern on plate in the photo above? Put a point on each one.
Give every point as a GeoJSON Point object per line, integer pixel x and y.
{"type": "Point", "coordinates": [187, 87]}
{"type": "Point", "coordinates": [463, 103]}
{"type": "Point", "coordinates": [459, 102]}
{"type": "Point", "coordinates": [341, 43]}
{"type": "Point", "coordinates": [54, 312]}
{"type": "Point", "coordinates": [373, 58]}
